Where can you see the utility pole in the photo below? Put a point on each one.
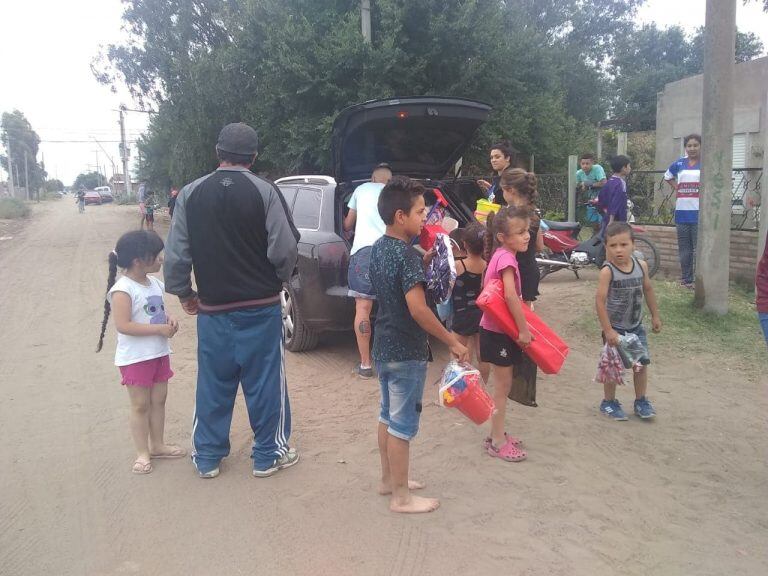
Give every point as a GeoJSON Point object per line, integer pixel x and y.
{"type": "Point", "coordinates": [26, 176]}
{"type": "Point", "coordinates": [714, 234]}
{"type": "Point", "coordinates": [763, 232]}
{"type": "Point", "coordinates": [365, 18]}
{"type": "Point", "coordinates": [10, 168]}
{"type": "Point", "coordinates": [124, 154]}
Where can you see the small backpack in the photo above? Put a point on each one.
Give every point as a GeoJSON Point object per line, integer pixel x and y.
{"type": "Point", "coordinates": [441, 273]}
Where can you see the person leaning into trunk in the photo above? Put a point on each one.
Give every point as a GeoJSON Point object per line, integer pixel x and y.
{"type": "Point", "coordinates": [234, 229]}
{"type": "Point", "coordinates": [363, 217]}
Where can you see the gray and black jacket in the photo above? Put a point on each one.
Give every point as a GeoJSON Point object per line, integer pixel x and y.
{"type": "Point", "coordinates": [235, 230]}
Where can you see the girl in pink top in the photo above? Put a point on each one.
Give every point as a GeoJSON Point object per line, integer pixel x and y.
{"type": "Point", "coordinates": [508, 235]}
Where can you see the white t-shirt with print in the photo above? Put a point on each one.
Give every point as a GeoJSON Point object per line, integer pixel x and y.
{"type": "Point", "coordinates": [369, 226]}
{"type": "Point", "coordinates": [147, 307]}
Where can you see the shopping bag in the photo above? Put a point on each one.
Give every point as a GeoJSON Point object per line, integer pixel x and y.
{"type": "Point", "coordinates": [441, 272]}
{"type": "Point", "coordinates": [610, 367]}
{"type": "Point", "coordinates": [547, 349]}
{"type": "Point", "coordinates": [523, 389]}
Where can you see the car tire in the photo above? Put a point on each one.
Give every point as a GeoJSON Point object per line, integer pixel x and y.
{"type": "Point", "coordinates": [298, 338]}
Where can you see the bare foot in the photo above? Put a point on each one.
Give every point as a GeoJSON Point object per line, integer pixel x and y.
{"type": "Point", "coordinates": [169, 451]}
{"type": "Point", "coordinates": [384, 489]}
{"type": "Point", "coordinates": [415, 505]}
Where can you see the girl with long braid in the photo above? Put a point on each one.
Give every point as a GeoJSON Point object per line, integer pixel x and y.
{"type": "Point", "coordinates": [143, 330]}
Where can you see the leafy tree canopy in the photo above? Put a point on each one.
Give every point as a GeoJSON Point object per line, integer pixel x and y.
{"type": "Point", "coordinates": [90, 180]}
{"type": "Point", "coordinates": [16, 129]}
{"type": "Point", "coordinates": [53, 185]}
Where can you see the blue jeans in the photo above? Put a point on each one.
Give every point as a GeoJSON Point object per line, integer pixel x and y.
{"type": "Point", "coordinates": [240, 348]}
{"type": "Point", "coordinates": [402, 387]}
{"type": "Point", "coordinates": [763, 316]}
{"type": "Point", "coordinates": [686, 249]}
{"type": "Point", "coordinates": [358, 278]}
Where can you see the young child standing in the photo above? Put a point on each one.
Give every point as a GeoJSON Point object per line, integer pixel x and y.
{"type": "Point", "coordinates": [622, 284]}
{"type": "Point", "coordinates": [400, 347]}
{"type": "Point", "coordinates": [612, 199]}
{"type": "Point", "coordinates": [590, 178]}
{"type": "Point", "coordinates": [508, 234]}
{"type": "Point", "coordinates": [520, 189]}
{"type": "Point", "coordinates": [143, 331]}
{"type": "Point", "coordinates": [470, 268]}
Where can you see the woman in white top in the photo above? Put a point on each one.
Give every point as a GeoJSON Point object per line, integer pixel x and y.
{"type": "Point", "coordinates": [143, 331]}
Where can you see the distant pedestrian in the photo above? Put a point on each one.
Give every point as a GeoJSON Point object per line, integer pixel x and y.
{"type": "Point", "coordinates": [150, 205]}
{"type": "Point", "coordinates": [80, 199]}
{"type": "Point", "coordinates": [234, 229]}
{"type": "Point", "coordinates": [363, 217]}
{"type": "Point", "coordinates": [761, 290]}
{"type": "Point", "coordinates": [143, 331]}
{"type": "Point", "coordinates": [684, 176]}
{"type": "Point", "coordinates": [172, 201]}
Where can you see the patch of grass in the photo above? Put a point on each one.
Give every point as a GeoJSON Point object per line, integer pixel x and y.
{"type": "Point", "coordinates": [687, 328]}
{"type": "Point", "coordinates": [11, 208]}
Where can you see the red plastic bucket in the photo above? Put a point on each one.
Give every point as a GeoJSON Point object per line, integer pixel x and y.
{"type": "Point", "coordinates": [474, 402]}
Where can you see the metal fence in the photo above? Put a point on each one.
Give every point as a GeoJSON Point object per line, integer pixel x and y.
{"type": "Point", "coordinates": [553, 195]}
{"type": "Point", "coordinates": [654, 199]}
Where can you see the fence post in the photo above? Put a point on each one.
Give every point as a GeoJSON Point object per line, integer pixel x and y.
{"type": "Point", "coordinates": [572, 163]}
{"type": "Point", "coordinates": [621, 143]}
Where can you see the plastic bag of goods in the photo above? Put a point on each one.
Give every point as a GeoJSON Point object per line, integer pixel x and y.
{"type": "Point", "coordinates": [463, 388]}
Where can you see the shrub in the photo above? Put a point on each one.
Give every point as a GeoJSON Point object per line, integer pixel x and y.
{"type": "Point", "coordinates": [11, 208]}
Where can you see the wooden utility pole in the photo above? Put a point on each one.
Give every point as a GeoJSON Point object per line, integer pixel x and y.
{"type": "Point", "coordinates": [714, 235]}
{"type": "Point", "coordinates": [26, 176]}
{"type": "Point", "coordinates": [124, 154]}
{"type": "Point", "coordinates": [11, 190]}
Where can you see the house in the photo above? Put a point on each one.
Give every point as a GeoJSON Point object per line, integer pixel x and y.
{"type": "Point", "coordinates": [679, 110]}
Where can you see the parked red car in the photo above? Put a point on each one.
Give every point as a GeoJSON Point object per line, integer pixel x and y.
{"type": "Point", "coordinates": [93, 197]}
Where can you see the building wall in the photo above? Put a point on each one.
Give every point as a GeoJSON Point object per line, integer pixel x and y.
{"type": "Point", "coordinates": [743, 259]}
{"type": "Point", "coordinates": [680, 104]}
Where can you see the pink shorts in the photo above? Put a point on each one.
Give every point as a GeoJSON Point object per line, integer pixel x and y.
{"type": "Point", "coordinates": [147, 373]}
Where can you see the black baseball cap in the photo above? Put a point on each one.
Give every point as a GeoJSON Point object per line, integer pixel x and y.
{"type": "Point", "coordinates": [238, 138]}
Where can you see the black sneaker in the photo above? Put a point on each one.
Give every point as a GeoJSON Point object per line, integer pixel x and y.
{"type": "Point", "coordinates": [364, 373]}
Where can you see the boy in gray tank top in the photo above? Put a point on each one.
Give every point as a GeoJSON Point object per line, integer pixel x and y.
{"type": "Point", "coordinates": [622, 285]}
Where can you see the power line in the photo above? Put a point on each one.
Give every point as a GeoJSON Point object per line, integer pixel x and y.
{"type": "Point", "coordinates": [84, 141]}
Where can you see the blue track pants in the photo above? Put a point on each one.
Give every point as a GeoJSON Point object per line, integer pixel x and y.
{"type": "Point", "coordinates": [244, 347]}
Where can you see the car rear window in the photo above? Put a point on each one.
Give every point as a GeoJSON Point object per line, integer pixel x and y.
{"type": "Point", "coordinates": [289, 193]}
{"type": "Point", "coordinates": [306, 209]}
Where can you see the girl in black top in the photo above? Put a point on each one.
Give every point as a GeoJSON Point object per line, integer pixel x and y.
{"type": "Point", "coordinates": [470, 267]}
{"type": "Point", "coordinates": [519, 188]}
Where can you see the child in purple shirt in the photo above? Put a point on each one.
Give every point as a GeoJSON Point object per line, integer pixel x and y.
{"type": "Point", "coordinates": [612, 199]}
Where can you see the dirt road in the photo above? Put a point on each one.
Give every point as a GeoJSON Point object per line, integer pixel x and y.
{"type": "Point", "coordinates": [684, 495]}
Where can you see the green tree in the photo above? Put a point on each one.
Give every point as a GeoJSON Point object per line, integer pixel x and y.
{"type": "Point", "coordinates": [649, 58]}
{"type": "Point", "coordinates": [289, 66]}
{"type": "Point", "coordinates": [16, 129]}
{"type": "Point", "coordinates": [53, 185]}
{"type": "Point", "coordinates": [89, 180]}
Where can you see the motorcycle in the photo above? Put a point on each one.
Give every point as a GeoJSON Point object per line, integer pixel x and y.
{"type": "Point", "coordinates": [566, 251]}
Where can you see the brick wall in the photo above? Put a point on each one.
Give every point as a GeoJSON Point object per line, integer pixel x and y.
{"type": "Point", "coordinates": [743, 252]}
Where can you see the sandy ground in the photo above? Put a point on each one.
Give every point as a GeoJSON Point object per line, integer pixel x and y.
{"type": "Point", "coordinates": [683, 495]}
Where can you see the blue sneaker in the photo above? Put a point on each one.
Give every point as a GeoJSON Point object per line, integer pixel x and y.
{"type": "Point", "coordinates": [644, 409]}
{"type": "Point", "coordinates": [613, 410]}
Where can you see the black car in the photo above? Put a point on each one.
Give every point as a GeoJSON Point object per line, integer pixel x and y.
{"type": "Point", "coordinates": [421, 137]}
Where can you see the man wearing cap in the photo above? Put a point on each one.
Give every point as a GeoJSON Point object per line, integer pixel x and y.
{"type": "Point", "coordinates": [363, 217]}
{"type": "Point", "coordinates": [234, 229]}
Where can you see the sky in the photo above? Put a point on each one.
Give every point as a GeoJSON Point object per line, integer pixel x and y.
{"type": "Point", "coordinates": [53, 85]}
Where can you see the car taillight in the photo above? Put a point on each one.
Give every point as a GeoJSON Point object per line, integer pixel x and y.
{"type": "Point", "coordinates": [402, 114]}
